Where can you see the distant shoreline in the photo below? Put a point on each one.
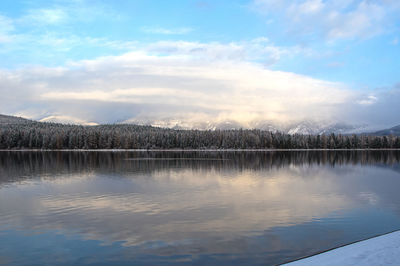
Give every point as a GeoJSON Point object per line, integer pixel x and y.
{"type": "Point", "coordinates": [185, 150]}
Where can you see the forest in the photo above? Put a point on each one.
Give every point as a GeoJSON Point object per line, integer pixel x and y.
{"type": "Point", "coordinates": [38, 135]}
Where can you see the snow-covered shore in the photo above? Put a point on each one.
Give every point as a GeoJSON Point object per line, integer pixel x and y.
{"type": "Point", "coordinates": [381, 250]}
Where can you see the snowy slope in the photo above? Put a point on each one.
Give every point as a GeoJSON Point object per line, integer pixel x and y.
{"type": "Point", "coordinates": [6, 119]}
{"type": "Point", "coordinates": [66, 120]}
{"type": "Point", "coordinates": [391, 131]}
{"type": "Point", "coordinates": [381, 250]}
{"type": "Point", "coordinates": [304, 127]}
{"type": "Point", "coordinates": [314, 128]}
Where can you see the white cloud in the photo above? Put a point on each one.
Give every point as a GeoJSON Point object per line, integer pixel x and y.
{"type": "Point", "coordinates": [44, 32]}
{"type": "Point", "coordinates": [165, 31]}
{"type": "Point", "coordinates": [259, 49]}
{"type": "Point", "coordinates": [371, 99]}
{"type": "Point", "coordinates": [187, 83]}
{"type": "Point", "coordinates": [333, 20]}
{"type": "Point", "coordinates": [46, 16]}
{"type": "Point", "coordinates": [59, 42]}
{"type": "Point", "coordinates": [6, 28]}
{"type": "Point", "coordinates": [194, 82]}
{"type": "Point", "coordinates": [52, 44]}
{"type": "Point", "coordinates": [363, 22]}
{"type": "Point", "coordinates": [66, 120]}
{"type": "Point", "coordinates": [68, 12]}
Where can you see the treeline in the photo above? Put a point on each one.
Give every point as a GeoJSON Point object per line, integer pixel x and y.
{"type": "Point", "coordinates": [38, 135]}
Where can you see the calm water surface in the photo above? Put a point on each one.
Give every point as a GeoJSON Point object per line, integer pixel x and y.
{"type": "Point", "coordinates": [205, 208]}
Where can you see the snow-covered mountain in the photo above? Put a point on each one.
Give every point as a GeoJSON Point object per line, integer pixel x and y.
{"type": "Point", "coordinates": [66, 120]}
{"type": "Point", "coordinates": [313, 128]}
{"type": "Point", "coordinates": [390, 131]}
{"type": "Point", "coordinates": [7, 119]}
{"type": "Point", "coordinates": [304, 127]}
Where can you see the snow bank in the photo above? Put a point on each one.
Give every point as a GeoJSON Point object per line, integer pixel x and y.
{"type": "Point", "coordinates": [381, 250]}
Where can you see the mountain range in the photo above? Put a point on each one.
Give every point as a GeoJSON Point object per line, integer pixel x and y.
{"type": "Point", "coordinates": [395, 131]}
{"type": "Point", "coordinates": [305, 127]}
{"type": "Point", "coordinates": [7, 119]}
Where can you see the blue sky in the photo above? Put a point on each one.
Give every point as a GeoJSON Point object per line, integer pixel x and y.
{"type": "Point", "coordinates": [347, 49]}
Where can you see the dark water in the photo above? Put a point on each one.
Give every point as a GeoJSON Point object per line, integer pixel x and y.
{"type": "Point", "coordinates": [204, 208]}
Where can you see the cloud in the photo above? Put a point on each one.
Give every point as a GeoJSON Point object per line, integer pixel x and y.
{"type": "Point", "coordinates": [50, 46]}
{"type": "Point", "coordinates": [58, 13]}
{"type": "Point", "coordinates": [379, 109]}
{"type": "Point", "coordinates": [6, 28]}
{"type": "Point", "coordinates": [62, 43]}
{"type": "Point", "coordinates": [46, 35]}
{"type": "Point", "coordinates": [368, 100]}
{"type": "Point", "coordinates": [260, 50]}
{"type": "Point", "coordinates": [40, 33]}
{"type": "Point", "coordinates": [184, 83]}
{"type": "Point", "coordinates": [192, 83]}
{"type": "Point", "coordinates": [335, 64]}
{"type": "Point", "coordinates": [46, 16]}
{"type": "Point", "coordinates": [66, 120]}
{"type": "Point", "coordinates": [203, 5]}
{"type": "Point", "coordinates": [160, 30]}
{"type": "Point", "coordinates": [332, 20]}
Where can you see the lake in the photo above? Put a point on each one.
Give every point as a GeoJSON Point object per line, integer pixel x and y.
{"type": "Point", "coordinates": [201, 208]}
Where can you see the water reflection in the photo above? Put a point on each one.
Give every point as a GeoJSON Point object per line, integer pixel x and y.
{"type": "Point", "coordinates": [197, 207]}
{"type": "Point", "coordinates": [15, 164]}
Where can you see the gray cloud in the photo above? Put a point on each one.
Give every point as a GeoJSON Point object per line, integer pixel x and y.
{"type": "Point", "coordinates": [382, 111]}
